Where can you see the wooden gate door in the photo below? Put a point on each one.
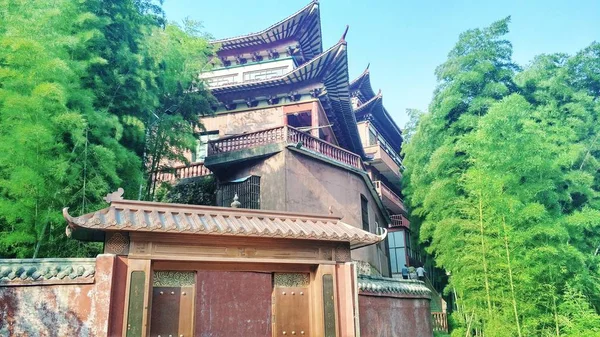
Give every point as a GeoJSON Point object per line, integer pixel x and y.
{"type": "Point", "coordinates": [291, 305]}
{"type": "Point", "coordinates": [173, 294]}
{"type": "Point", "coordinates": [233, 303]}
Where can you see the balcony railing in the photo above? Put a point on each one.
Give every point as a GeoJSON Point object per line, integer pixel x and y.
{"type": "Point", "coordinates": [399, 220]}
{"type": "Point", "coordinates": [440, 321]}
{"type": "Point", "coordinates": [183, 172]}
{"type": "Point", "coordinates": [284, 134]}
{"type": "Point", "coordinates": [246, 140]}
{"type": "Point", "coordinates": [383, 190]}
{"type": "Point", "coordinates": [327, 149]}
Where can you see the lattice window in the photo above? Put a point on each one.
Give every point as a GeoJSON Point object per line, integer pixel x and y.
{"type": "Point", "coordinates": [248, 191]}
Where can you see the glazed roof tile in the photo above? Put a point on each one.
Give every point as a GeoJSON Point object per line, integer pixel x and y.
{"type": "Point", "coordinates": [46, 271]}
{"type": "Point", "coordinates": [385, 285]}
{"type": "Point", "coordinates": [141, 216]}
{"type": "Point", "coordinates": [304, 25]}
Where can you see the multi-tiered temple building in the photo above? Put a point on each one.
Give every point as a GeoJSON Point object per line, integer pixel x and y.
{"type": "Point", "coordinates": [291, 132]}
{"type": "Point", "coordinates": [307, 173]}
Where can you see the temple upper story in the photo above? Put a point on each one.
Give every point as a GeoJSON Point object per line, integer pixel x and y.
{"type": "Point", "coordinates": [270, 53]}
{"type": "Point", "coordinates": [369, 110]}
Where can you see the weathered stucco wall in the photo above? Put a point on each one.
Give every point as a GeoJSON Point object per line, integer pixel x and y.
{"type": "Point", "coordinates": [294, 182]}
{"type": "Point", "coordinates": [55, 297]}
{"type": "Point", "coordinates": [313, 186]}
{"type": "Point", "coordinates": [382, 316]}
{"type": "Point", "coordinates": [234, 123]}
{"type": "Point", "coordinates": [391, 307]}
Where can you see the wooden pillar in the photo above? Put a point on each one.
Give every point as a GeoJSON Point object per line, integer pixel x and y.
{"type": "Point", "coordinates": [324, 308]}
{"type": "Point", "coordinates": [345, 299]}
{"type": "Point", "coordinates": [314, 113]}
{"type": "Point", "coordinates": [137, 298]}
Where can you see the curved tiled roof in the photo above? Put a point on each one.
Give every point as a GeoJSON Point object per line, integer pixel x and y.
{"type": "Point", "coordinates": [361, 86]}
{"type": "Point", "coordinates": [385, 285]}
{"type": "Point", "coordinates": [46, 271]}
{"type": "Point", "coordinates": [304, 25]}
{"type": "Point", "coordinates": [141, 216]}
{"type": "Point", "coordinates": [381, 118]}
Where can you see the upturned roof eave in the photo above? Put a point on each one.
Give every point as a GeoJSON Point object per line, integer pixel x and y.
{"type": "Point", "coordinates": [310, 41]}
{"type": "Point", "coordinates": [376, 108]}
{"type": "Point", "coordinates": [362, 85]}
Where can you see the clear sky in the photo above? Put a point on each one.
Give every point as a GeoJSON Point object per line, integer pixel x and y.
{"type": "Point", "coordinates": [406, 40]}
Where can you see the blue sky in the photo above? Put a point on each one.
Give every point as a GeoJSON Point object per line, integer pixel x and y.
{"type": "Point", "coordinates": [406, 40]}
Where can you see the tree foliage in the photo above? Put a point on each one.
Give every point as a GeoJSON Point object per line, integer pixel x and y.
{"type": "Point", "coordinates": [79, 83]}
{"type": "Point", "coordinates": [503, 179]}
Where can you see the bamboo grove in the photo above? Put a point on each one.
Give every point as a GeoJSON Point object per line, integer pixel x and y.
{"type": "Point", "coordinates": [503, 179]}
{"type": "Point", "coordinates": [91, 93]}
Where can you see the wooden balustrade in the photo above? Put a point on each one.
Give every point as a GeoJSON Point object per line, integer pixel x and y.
{"type": "Point", "coordinates": [382, 189]}
{"type": "Point", "coordinates": [439, 321]}
{"type": "Point", "coordinates": [399, 220]}
{"type": "Point", "coordinates": [183, 172]}
{"type": "Point", "coordinates": [246, 140]}
{"type": "Point", "coordinates": [284, 134]}
{"type": "Point", "coordinates": [327, 149]}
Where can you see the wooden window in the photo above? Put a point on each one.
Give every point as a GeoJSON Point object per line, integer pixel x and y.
{"type": "Point", "coordinates": [247, 189]}
{"type": "Point", "coordinates": [221, 80]}
{"type": "Point", "coordinates": [364, 210]}
{"type": "Point", "coordinates": [372, 137]}
{"type": "Point", "coordinates": [264, 74]}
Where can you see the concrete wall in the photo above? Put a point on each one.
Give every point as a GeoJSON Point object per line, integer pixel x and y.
{"type": "Point", "coordinates": [383, 316]}
{"type": "Point", "coordinates": [313, 186]}
{"type": "Point", "coordinates": [56, 304]}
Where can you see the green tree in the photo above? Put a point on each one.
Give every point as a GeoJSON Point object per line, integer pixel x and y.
{"type": "Point", "coordinates": [502, 176]}
{"type": "Point", "coordinates": [180, 54]}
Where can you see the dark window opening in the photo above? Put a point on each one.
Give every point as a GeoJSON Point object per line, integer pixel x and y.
{"type": "Point", "coordinates": [364, 210]}
{"type": "Point", "coordinates": [247, 189]}
{"type": "Point", "coordinates": [300, 120]}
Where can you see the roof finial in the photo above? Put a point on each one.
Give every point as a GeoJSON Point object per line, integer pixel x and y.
{"type": "Point", "coordinates": [343, 39]}
{"type": "Point", "coordinates": [368, 65]}
{"type": "Point", "coordinates": [236, 203]}
{"type": "Point", "coordinates": [114, 196]}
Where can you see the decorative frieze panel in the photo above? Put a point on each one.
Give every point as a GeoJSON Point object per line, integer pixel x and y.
{"type": "Point", "coordinates": [342, 253]}
{"type": "Point", "coordinates": [173, 278]}
{"type": "Point", "coordinates": [116, 243]}
{"type": "Point", "coordinates": [225, 249]}
{"type": "Point", "coordinates": [291, 280]}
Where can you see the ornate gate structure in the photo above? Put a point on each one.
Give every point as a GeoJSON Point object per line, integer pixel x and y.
{"type": "Point", "coordinates": [214, 271]}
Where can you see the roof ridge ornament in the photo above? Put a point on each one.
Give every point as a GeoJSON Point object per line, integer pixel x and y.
{"type": "Point", "coordinates": [115, 196]}
{"type": "Point", "coordinates": [343, 39]}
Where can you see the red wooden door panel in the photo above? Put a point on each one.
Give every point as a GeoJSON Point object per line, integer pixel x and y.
{"type": "Point", "coordinates": [233, 304]}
